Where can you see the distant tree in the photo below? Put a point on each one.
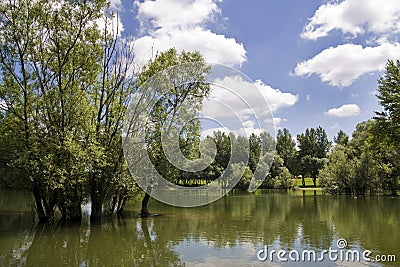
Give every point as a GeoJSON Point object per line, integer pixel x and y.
{"type": "Point", "coordinates": [352, 169]}
{"type": "Point", "coordinates": [336, 175]}
{"type": "Point", "coordinates": [314, 146]}
{"type": "Point", "coordinates": [255, 151]}
{"type": "Point", "coordinates": [341, 138]}
{"type": "Point", "coordinates": [247, 174]}
{"type": "Point", "coordinates": [286, 148]}
{"type": "Point", "coordinates": [284, 180]}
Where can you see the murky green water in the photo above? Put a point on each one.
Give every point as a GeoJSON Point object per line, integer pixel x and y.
{"type": "Point", "coordinates": [229, 232]}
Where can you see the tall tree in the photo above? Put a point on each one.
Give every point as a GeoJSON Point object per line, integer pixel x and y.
{"type": "Point", "coordinates": [255, 151]}
{"type": "Point", "coordinates": [341, 138]}
{"type": "Point", "coordinates": [387, 128]}
{"type": "Point", "coordinates": [351, 168]}
{"type": "Point", "coordinates": [48, 60]}
{"type": "Point", "coordinates": [314, 146]}
{"type": "Point", "coordinates": [286, 148]}
{"type": "Point", "coordinates": [109, 178]}
{"type": "Point", "coordinates": [192, 90]}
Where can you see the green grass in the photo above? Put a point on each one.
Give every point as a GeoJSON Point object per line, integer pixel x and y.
{"type": "Point", "coordinates": [309, 182]}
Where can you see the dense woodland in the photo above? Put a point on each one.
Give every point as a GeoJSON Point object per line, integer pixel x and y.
{"type": "Point", "coordinates": [64, 89]}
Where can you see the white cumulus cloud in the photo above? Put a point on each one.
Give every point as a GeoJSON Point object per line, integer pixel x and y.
{"type": "Point", "coordinates": [342, 65]}
{"type": "Point", "coordinates": [171, 14]}
{"type": "Point", "coordinates": [115, 4]}
{"type": "Point", "coordinates": [244, 107]}
{"type": "Point", "coordinates": [275, 97]}
{"type": "Point", "coordinates": [182, 24]}
{"type": "Point", "coordinates": [241, 98]}
{"type": "Point", "coordinates": [347, 110]}
{"type": "Point", "coordinates": [377, 21]}
{"type": "Point", "coordinates": [354, 17]}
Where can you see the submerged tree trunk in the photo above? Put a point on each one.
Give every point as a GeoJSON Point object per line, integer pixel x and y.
{"type": "Point", "coordinates": [121, 203]}
{"type": "Point", "coordinates": [71, 213]}
{"type": "Point", "coordinates": [44, 208]}
{"type": "Point", "coordinates": [145, 203]}
{"type": "Point", "coordinates": [96, 209]}
{"type": "Point", "coordinates": [96, 200]}
{"type": "Point", "coordinates": [393, 189]}
{"type": "Point", "coordinates": [38, 203]}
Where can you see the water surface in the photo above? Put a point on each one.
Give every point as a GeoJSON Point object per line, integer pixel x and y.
{"type": "Point", "coordinates": [228, 232]}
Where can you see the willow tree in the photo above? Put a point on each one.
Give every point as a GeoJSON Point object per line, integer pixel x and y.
{"type": "Point", "coordinates": [387, 128]}
{"type": "Point", "coordinates": [49, 59]}
{"type": "Point", "coordinates": [109, 181]}
{"type": "Point", "coordinates": [163, 114]}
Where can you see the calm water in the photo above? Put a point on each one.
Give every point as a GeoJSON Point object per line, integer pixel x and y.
{"type": "Point", "coordinates": [228, 232]}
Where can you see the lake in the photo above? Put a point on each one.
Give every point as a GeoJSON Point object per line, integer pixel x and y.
{"type": "Point", "coordinates": [236, 230]}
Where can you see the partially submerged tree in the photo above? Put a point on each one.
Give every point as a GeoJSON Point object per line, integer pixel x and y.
{"type": "Point", "coordinates": [173, 109]}
{"type": "Point", "coordinates": [387, 129]}
{"type": "Point", "coordinates": [49, 60]}
{"type": "Point", "coordinates": [109, 180]}
{"type": "Point", "coordinates": [64, 90]}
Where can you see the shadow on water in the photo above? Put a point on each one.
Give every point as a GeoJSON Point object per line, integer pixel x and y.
{"type": "Point", "coordinates": [234, 226]}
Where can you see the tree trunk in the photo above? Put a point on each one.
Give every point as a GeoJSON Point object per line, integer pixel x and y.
{"type": "Point", "coordinates": [95, 198]}
{"type": "Point", "coordinates": [96, 209]}
{"type": "Point", "coordinates": [145, 203]}
{"type": "Point", "coordinates": [303, 181]}
{"type": "Point", "coordinates": [71, 213]}
{"type": "Point", "coordinates": [393, 190]}
{"type": "Point", "coordinates": [44, 207]}
{"type": "Point", "coordinates": [314, 179]}
{"type": "Point", "coordinates": [113, 204]}
{"type": "Point", "coordinates": [38, 203]}
{"type": "Point", "coordinates": [121, 204]}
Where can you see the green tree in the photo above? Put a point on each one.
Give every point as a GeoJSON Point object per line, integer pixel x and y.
{"type": "Point", "coordinates": [109, 180]}
{"type": "Point", "coordinates": [284, 180]}
{"type": "Point", "coordinates": [247, 174]}
{"type": "Point", "coordinates": [353, 166]}
{"type": "Point", "coordinates": [193, 91]}
{"type": "Point", "coordinates": [255, 151]}
{"type": "Point", "coordinates": [335, 177]}
{"type": "Point", "coordinates": [286, 148]}
{"type": "Point", "coordinates": [341, 138]}
{"type": "Point", "coordinates": [387, 129]}
{"type": "Point", "coordinates": [49, 60]}
{"type": "Point", "coordinates": [314, 146]}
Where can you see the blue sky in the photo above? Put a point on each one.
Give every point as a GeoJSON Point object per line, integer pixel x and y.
{"type": "Point", "coordinates": [316, 61]}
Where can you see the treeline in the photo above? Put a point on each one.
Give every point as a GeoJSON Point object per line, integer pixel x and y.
{"type": "Point", "coordinates": [370, 162]}
{"type": "Point", "coordinates": [287, 159]}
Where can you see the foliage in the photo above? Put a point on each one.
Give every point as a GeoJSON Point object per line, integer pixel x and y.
{"type": "Point", "coordinates": [175, 108]}
{"type": "Point", "coordinates": [63, 89]}
{"type": "Point", "coordinates": [386, 131]}
{"type": "Point", "coordinates": [286, 148]}
{"type": "Point", "coordinates": [314, 146]}
{"type": "Point", "coordinates": [341, 138]}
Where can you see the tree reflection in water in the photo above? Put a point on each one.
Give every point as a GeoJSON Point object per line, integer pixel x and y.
{"type": "Point", "coordinates": [228, 226]}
